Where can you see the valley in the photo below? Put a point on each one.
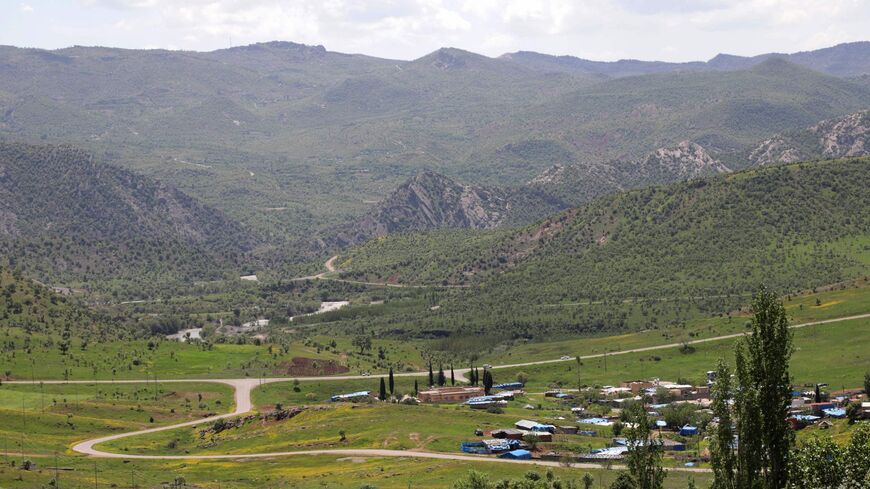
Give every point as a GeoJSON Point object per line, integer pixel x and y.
{"type": "Point", "coordinates": [279, 265]}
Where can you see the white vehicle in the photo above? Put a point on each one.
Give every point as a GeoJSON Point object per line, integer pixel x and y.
{"type": "Point", "coordinates": [365, 374]}
{"type": "Point", "coordinates": [487, 366]}
{"type": "Point", "coordinates": [566, 357]}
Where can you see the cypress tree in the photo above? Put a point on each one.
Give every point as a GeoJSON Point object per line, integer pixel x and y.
{"type": "Point", "coordinates": [431, 375]}
{"type": "Point", "coordinates": [452, 376]}
{"type": "Point", "coordinates": [383, 390]}
{"type": "Point", "coordinates": [392, 382]}
{"type": "Point", "coordinates": [416, 389]}
{"type": "Point", "coordinates": [441, 379]}
{"type": "Point", "coordinates": [487, 381]}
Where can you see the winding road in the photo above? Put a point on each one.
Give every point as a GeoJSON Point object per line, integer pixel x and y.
{"type": "Point", "coordinates": [243, 388]}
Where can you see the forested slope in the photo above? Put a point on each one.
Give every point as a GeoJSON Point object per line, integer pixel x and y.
{"type": "Point", "coordinates": [68, 218]}
{"type": "Point", "coordinates": [792, 227]}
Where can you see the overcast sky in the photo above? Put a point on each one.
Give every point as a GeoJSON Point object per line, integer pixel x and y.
{"type": "Point", "coordinates": [673, 30]}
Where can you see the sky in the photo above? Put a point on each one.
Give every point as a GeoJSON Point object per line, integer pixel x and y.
{"type": "Point", "coordinates": [669, 30]}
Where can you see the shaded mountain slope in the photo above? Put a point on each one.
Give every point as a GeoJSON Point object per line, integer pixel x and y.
{"type": "Point", "coordinates": [66, 217]}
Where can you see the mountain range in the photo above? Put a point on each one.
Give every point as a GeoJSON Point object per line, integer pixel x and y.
{"type": "Point", "coordinates": [291, 140]}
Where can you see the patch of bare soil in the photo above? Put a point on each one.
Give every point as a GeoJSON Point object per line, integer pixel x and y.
{"type": "Point", "coordinates": [302, 366]}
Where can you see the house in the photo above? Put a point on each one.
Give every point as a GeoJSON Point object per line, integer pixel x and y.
{"type": "Point", "coordinates": [509, 434]}
{"type": "Point", "coordinates": [450, 394]}
{"type": "Point", "coordinates": [527, 425]}
{"type": "Point", "coordinates": [568, 430]}
{"type": "Point", "coordinates": [672, 445]}
{"type": "Point", "coordinates": [819, 407]}
{"type": "Point", "coordinates": [509, 385]}
{"type": "Point", "coordinates": [541, 436]}
{"type": "Point", "coordinates": [834, 412]}
{"type": "Point", "coordinates": [496, 446]}
{"type": "Point", "coordinates": [517, 455]}
{"type": "Point", "coordinates": [351, 397]}
{"type": "Point", "coordinates": [865, 410]}
{"type": "Point", "coordinates": [688, 430]}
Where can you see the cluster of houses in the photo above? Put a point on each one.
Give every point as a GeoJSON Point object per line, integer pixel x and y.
{"type": "Point", "coordinates": [806, 409]}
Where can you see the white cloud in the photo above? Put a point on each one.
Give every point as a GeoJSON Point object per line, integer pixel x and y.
{"type": "Point", "coordinates": [25, 8]}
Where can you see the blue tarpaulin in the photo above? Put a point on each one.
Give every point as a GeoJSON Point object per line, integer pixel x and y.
{"type": "Point", "coordinates": [517, 455]}
{"type": "Point", "coordinates": [835, 412]}
{"type": "Point", "coordinates": [688, 430]}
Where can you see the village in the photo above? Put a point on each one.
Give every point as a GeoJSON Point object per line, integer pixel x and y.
{"type": "Point", "coordinates": [585, 425]}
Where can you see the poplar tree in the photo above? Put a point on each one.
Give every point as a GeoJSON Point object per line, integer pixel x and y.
{"type": "Point", "coordinates": [762, 397]}
{"type": "Point", "coordinates": [644, 458]}
{"type": "Point", "coordinates": [392, 382]}
{"type": "Point", "coordinates": [721, 444]}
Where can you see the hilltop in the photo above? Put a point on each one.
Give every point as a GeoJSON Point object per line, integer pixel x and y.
{"type": "Point", "coordinates": [68, 218]}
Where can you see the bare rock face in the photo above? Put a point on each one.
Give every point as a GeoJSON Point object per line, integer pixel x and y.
{"type": "Point", "coordinates": [428, 201]}
{"type": "Point", "coordinates": [835, 138]}
{"type": "Point", "coordinates": [845, 137]}
{"type": "Point", "coordinates": [685, 160]}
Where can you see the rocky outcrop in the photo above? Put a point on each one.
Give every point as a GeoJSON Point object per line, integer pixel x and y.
{"type": "Point", "coordinates": [684, 161]}
{"type": "Point", "coordinates": [427, 201]}
{"type": "Point", "coordinates": [835, 138]}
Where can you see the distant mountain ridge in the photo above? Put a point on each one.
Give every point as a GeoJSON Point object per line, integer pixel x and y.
{"type": "Point", "coordinates": [843, 60]}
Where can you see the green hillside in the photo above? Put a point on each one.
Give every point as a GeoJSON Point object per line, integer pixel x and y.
{"type": "Point", "coordinates": [69, 219]}
{"type": "Point", "coordinates": [689, 248]}
{"type": "Point", "coordinates": [35, 309]}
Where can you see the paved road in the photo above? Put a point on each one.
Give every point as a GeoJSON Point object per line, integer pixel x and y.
{"type": "Point", "coordinates": [243, 388]}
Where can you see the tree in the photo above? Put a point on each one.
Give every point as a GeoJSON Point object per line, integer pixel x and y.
{"type": "Point", "coordinates": [644, 458]}
{"type": "Point", "coordinates": [441, 379]}
{"type": "Point", "coordinates": [721, 444]}
{"type": "Point", "coordinates": [579, 382]}
{"type": "Point", "coordinates": [473, 480]}
{"type": "Point", "coordinates": [63, 344]}
{"type": "Point", "coordinates": [487, 381]}
{"type": "Point", "coordinates": [392, 382]}
{"type": "Point", "coordinates": [588, 481]}
{"type": "Point", "coordinates": [856, 458]}
{"type": "Point", "coordinates": [867, 384]}
{"type": "Point", "coordinates": [452, 376]}
{"type": "Point", "coordinates": [416, 388]}
{"type": "Point", "coordinates": [522, 378]}
{"type": "Point", "coordinates": [431, 375]}
{"type": "Point", "coordinates": [383, 391]}
{"type": "Point", "coordinates": [363, 342]}
{"type": "Point", "coordinates": [817, 465]}
{"type": "Point", "coordinates": [624, 481]}
{"type": "Point", "coordinates": [763, 396]}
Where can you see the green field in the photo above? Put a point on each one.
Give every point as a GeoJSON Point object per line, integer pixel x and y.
{"type": "Point", "coordinates": [301, 472]}
{"type": "Point", "coordinates": [41, 419]}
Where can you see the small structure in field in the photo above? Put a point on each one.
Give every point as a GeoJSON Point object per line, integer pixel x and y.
{"type": "Point", "coordinates": [450, 394]}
